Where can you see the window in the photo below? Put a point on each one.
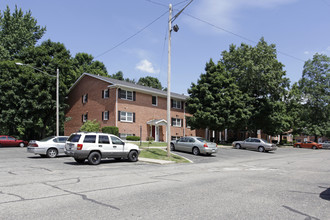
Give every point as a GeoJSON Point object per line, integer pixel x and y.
{"type": "Point", "coordinates": [126, 116]}
{"type": "Point", "coordinates": [127, 95]}
{"type": "Point", "coordinates": [173, 138]}
{"type": "Point", "coordinates": [62, 139]}
{"type": "Point", "coordinates": [85, 98]}
{"type": "Point", "coordinates": [3, 138]}
{"type": "Point", "coordinates": [90, 139]}
{"type": "Point", "coordinates": [176, 122]}
{"type": "Point", "coordinates": [176, 104]}
{"type": "Point", "coordinates": [74, 138]}
{"type": "Point", "coordinates": [105, 115]}
{"type": "Point", "coordinates": [116, 140]}
{"type": "Point", "coordinates": [104, 139]}
{"type": "Point", "coordinates": [123, 136]}
{"type": "Point", "coordinates": [11, 138]}
{"type": "Point", "coordinates": [105, 94]}
{"type": "Point", "coordinates": [154, 100]}
{"type": "Point", "coordinates": [187, 122]}
{"type": "Point", "coordinates": [84, 117]}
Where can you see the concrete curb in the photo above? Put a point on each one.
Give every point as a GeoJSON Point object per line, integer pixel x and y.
{"type": "Point", "coordinates": [149, 160]}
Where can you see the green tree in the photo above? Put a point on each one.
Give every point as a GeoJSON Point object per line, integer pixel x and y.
{"type": "Point", "coordinates": [315, 88]}
{"type": "Point", "coordinates": [150, 82]}
{"type": "Point", "coordinates": [216, 101]}
{"type": "Point", "coordinates": [17, 31]}
{"type": "Point", "coordinates": [261, 77]}
{"type": "Point", "coordinates": [90, 126]}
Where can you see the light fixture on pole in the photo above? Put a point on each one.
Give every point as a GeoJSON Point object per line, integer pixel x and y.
{"type": "Point", "coordinates": [57, 93]}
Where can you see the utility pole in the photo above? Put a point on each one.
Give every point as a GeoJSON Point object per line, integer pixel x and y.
{"type": "Point", "coordinates": [169, 82]}
{"type": "Point", "coordinates": [57, 103]}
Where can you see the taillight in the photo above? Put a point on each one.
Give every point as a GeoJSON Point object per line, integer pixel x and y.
{"type": "Point", "coordinates": [33, 145]}
{"type": "Point", "coordinates": [205, 145]}
{"type": "Point", "coordinates": [79, 146]}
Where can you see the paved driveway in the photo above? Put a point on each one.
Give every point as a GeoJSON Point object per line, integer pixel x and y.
{"type": "Point", "coordinates": [236, 184]}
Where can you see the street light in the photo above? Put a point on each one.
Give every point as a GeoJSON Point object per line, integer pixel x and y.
{"type": "Point", "coordinates": [57, 93]}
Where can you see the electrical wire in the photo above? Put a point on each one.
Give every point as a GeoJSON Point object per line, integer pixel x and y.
{"type": "Point", "coordinates": [127, 39]}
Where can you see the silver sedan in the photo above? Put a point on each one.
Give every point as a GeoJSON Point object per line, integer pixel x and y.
{"type": "Point", "coordinates": [195, 145]}
{"type": "Point", "coordinates": [48, 147]}
{"type": "Point", "coordinates": [255, 144]}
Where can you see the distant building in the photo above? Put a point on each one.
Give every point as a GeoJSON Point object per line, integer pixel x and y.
{"type": "Point", "coordinates": [130, 107]}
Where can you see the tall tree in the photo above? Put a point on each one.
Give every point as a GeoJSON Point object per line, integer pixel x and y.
{"type": "Point", "coordinates": [150, 82]}
{"type": "Point", "coordinates": [315, 88]}
{"type": "Point", "coordinates": [216, 101]}
{"type": "Point", "coordinates": [260, 75]}
{"type": "Point", "coordinates": [17, 31]}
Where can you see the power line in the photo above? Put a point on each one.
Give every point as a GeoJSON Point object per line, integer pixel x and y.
{"type": "Point", "coordinates": [127, 39]}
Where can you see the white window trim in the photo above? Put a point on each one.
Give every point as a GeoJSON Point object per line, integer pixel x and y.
{"type": "Point", "coordinates": [85, 117]}
{"type": "Point", "coordinates": [106, 115]}
{"type": "Point", "coordinates": [126, 96]}
{"type": "Point", "coordinates": [104, 92]}
{"type": "Point", "coordinates": [85, 99]}
{"type": "Point", "coordinates": [125, 119]}
{"type": "Point", "coordinates": [175, 122]}
{"type": "Point", "coordinates": [177, 103]}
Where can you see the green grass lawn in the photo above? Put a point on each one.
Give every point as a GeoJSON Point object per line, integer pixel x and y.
{"type": "Point", "coordinates": [160, 154]}
{"type": "Point", "coordinates": [153, 144]}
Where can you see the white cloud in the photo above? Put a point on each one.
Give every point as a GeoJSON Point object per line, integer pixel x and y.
{"type": "Point", "coordinates": [146, 66]}
{"type": "Point", "coordinates": [224, 12]}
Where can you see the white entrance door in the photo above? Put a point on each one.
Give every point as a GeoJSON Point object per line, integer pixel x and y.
{"type": "Point", "coordinates": [156, 133]}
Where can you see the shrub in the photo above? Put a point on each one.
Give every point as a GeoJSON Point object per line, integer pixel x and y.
{"type": "Point", "coordinates": [90, 126]}
{"type": "Point", "coordinates": [111, 130]}
{"type": "Point", "coordinates": [133, 138]}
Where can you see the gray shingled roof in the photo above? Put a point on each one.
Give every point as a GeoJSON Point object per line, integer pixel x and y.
{"type": "Point", "coordinates": [128, 85]}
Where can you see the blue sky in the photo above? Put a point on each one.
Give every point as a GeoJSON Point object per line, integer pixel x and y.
{"type": "Point", "coordinates": [299, 28]}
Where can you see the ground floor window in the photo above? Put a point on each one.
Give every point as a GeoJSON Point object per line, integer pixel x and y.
{"type": "Point", "coordinates": [124, 135]}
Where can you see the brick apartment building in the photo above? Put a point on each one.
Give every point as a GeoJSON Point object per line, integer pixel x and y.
{"type": "Point", "coordinates": [130, 107]}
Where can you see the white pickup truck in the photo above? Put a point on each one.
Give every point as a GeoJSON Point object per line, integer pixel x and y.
{"type": "Point", "coordinates": [96, 146]}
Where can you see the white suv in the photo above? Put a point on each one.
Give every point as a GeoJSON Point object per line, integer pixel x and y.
{"type": "Point", "coordinates": [95, 146]}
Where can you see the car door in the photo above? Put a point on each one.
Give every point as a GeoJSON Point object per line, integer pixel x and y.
{"type": "Point", "coordinates": [60, 143]}
{"type": "Point", "coordinates": [3, 141]}
{"type": "Point", "coordinates": [180, 145]}
{"type": "Point", "coordinates": [106, 145]}
{"type": "Point", "coordinates": [118, 146]}
{"type": "Point", "coordinates": [190, 144]}
{"type": "Point", "coordinates": [247, 143]}
{"type": "Point", "coordinates": [11, 141]}
{"type": "Point", "coordinates": [255, 143]}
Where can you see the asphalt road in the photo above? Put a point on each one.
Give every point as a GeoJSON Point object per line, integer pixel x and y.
{"type": "Point", "coordinates": [234, 184]}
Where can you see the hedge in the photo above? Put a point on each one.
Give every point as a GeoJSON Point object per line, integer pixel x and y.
{"type": "Point", "coordinates": [111, 130]}
{"type": "Point", "coordinates": [133, 138]}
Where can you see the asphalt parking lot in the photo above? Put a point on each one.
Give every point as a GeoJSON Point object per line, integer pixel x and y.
{"type": "Point", "coordinates": [235, 184]}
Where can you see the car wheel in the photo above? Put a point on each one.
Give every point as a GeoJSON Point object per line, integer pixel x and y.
{"type": "Point", "coordinates": [80, 161]}
{"type": "Point", "coordinates": [261, 149]}
{"type": "Point", "coordinates": [51, 153]}
{"type": "Point", "coordinates": [172, 147]}
{"type": "Point", "coordinates": [238, 146]}
{"type": "Point", "coordinates": [21, 144]}
{"type": "Point", "coordinates": [94, 158]}
{"type": "Point", "coordinates": [133, 156]}
{"type": "Point", "coordinates": [298, 146]}
{"type": "Point", "coordinates": [314, 147]}
{"type": "Point", "coordinates": [195, 151]}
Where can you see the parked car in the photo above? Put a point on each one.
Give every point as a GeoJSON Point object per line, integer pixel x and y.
{"type": "Point", "coordinates": [95, 146]}
{"type": "Point", "coordinates": [48, 147]}
{"type": "Point", "coordinates": [255, 144]}
{"type": "Point", "coordinates": [8, 141]}
{"type": "Point", "coordinates": [194, 145]}
{"type": "Point", "coordinates": [326, 145]}
{"type": "Point", "coordinates": [308, 144]}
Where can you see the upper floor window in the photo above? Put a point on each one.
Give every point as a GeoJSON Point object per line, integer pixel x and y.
{"type": "Point", "coordinates": [85, 98]}
{"type": "Point", "coordinates": [105, 115]}
{"type": "Point", "coordinates": [176, 104]}
{"type": "Point", "coordinates": [176, 122]}
{"type": "Point", "coordinates": [127, 95]}
{"type": "Point", "coordinates": [105, 94]}
{"type": "Point", "coordinates": [154, 100]}
{"type": "Point", "coordinates": [126, 116]}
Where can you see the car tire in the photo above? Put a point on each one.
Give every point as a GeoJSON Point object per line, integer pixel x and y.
{"type": "Point", "coordinates": [314, 147]}
{"type": "Point", "coordinates": [172, 147]}
{"type": "Point", "coordinates": [238, 146]}
{"type": "Point", "coordinates": [261, 149]}
{"type": "Point", "coordinates": [195, 151]}
{"type": "Point", "coordinates": [21, 144]}
{"type": "Point", "coordinates": [133, 156]}
{"type": "Point", "coordinates": [298, 146]}
{"type": "Point", "coordinates": [94, 158]}
{"type": "Point", "coordinates": [80, 161]}
{"type": "Point", "coordinates": [52, 153]}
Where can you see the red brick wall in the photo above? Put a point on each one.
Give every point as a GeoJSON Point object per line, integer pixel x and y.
{"type": "Point", "coordinates": [142, 107]}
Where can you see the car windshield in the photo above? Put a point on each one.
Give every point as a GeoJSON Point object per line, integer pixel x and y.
{"type": "Point", "coordinates": [265, 141]}
{"type": "Point", "coordinates": [47, 138]}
